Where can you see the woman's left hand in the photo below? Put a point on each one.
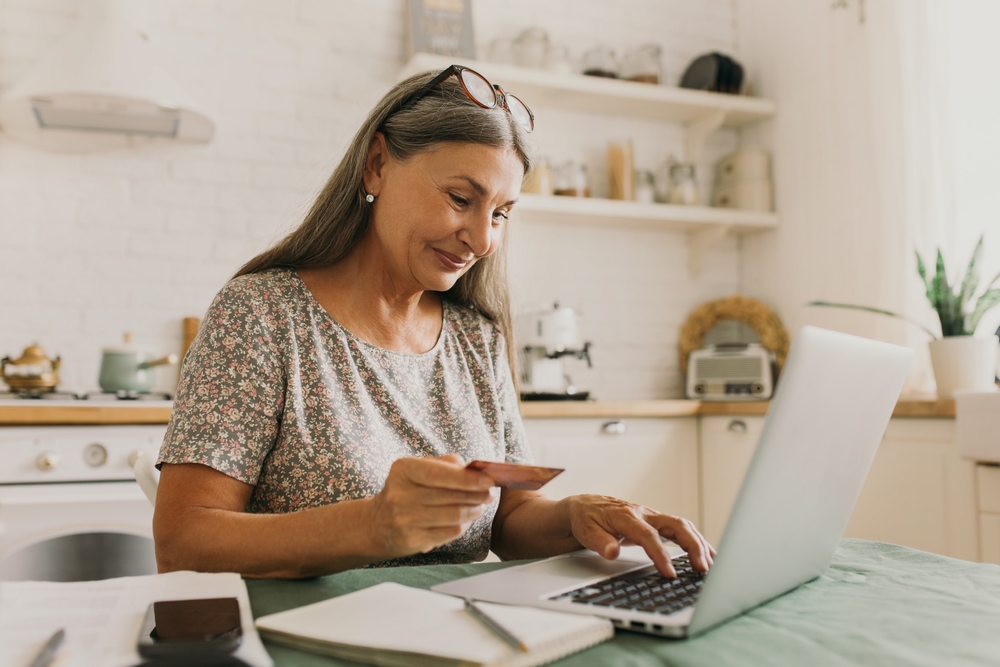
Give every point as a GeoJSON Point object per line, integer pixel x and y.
{"type": "Point", "coordinates": [600, 523]}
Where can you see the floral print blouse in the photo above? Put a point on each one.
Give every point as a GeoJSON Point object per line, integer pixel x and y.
{"type": "Point", "coordinates": [275, 393]}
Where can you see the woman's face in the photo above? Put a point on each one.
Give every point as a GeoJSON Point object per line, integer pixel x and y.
{"type": "Point", "coordinates": [441, 211]}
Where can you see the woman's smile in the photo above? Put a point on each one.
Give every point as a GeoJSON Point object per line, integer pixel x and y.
{"type": "Point", "coordinates": [450, 261]}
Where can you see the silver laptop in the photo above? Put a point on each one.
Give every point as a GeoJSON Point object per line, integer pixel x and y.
{"type": "Point", "coordinates": [826, 420]}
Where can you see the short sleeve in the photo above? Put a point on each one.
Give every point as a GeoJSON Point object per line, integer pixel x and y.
{"type": "Point", "coordinates": [515, 439]}
{"type": "Point", "coordinates": [230, 398]}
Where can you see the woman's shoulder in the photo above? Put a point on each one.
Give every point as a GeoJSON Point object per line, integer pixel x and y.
{"type": "Point", "coordinates": [473, 323]}
{"type": "Point", "coordinates": [265, 295]}
{"type": "Point", "coordinates": [263, 285]}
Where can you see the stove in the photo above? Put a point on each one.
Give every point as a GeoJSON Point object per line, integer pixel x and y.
{"type": "Point", "coordinates": [70, 508]}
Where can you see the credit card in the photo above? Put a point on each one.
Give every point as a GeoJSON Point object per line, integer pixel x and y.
{"type": "Point", "coordinates": [516, 475]}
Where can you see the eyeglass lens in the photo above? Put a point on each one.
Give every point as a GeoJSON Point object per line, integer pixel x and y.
{"type": "Point", "coordinates": [520, 112]}
{"type": "Point", "coordinates": [479, 88]}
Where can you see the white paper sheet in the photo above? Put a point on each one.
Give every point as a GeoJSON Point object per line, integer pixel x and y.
{"type": "Point", "coordinates": [102, 618]}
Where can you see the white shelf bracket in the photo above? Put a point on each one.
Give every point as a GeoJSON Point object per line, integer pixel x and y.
{"type": "Point", "coordinates": [697, 131]}
{"type": "Point", "coordinates": [699, 242]}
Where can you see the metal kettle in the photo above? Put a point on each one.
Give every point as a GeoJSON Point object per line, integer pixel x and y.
{"type": "Point", "coordinates": [32, 372]}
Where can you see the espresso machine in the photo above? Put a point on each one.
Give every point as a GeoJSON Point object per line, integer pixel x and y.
{"type": "Point", "coordinates": [549, 336]}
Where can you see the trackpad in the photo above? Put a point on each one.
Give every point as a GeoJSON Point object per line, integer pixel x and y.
{"type": "Point", "coordinates": [580, 567]}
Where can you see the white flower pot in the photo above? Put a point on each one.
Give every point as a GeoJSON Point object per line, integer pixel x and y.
{"type": "Point", "coordinates": [964, 362]}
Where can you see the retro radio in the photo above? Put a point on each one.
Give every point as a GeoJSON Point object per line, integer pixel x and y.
{"type": "Point", "coordinates": [730, 372]}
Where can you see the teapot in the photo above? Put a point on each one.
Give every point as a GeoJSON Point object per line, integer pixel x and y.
{"type": "Point", "coordinates": [127, 369]}
{"type": "Point", "coordinates": [33, 372]}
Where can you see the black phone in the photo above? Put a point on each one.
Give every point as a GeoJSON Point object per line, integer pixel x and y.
{"type": "Point", "coordinates": [191, 627]}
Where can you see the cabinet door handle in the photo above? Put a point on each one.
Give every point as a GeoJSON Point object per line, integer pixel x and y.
{"type": "Point", "coordinates": [737, 426]}
{"type": "Point", "coordinates": [616, 427]}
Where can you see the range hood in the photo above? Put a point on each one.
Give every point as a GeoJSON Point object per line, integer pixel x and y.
{"type": "Point", "coordinates": [104, 87]}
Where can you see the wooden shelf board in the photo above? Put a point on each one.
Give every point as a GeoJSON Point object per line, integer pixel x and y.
{"type": "Point", "coordinates": [577, 210]}
{"type": "Point", "coordinates": [541, 88]}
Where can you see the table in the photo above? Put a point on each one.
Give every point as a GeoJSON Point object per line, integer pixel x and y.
{"type": "Point", "coordinates": [877, 604]}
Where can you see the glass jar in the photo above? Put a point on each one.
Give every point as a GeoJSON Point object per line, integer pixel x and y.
{"type": "Point", "coordinates": [645, 189]}
{"type": "Point", "coordinates": [643, 64]}
{"type": "Point", "coordinates": [531, 47]}
{"type": "Point", "coordinates": [501, 51]}
{"type": "Point", "coordinates": [570, 180]}
{"type": "Point", "coordinates": [558, 60]}
{"type": "Point", "coordinates": [539, 181]}
{"type": "Point", "coordinates": [683, 189]}
{"type": "Point", "coordinates": [600, 61]}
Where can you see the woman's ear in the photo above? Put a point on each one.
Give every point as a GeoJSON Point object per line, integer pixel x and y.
{"type": "Point", "coordinates": [378, 153]}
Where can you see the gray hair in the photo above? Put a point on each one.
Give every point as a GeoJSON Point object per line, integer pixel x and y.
{"type": "Point", "coordinates": [340, 216]}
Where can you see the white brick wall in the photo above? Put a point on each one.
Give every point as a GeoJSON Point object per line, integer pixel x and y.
{"type": "Point", "coordinates": [97, 244]}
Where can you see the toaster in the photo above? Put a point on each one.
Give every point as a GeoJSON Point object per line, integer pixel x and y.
{"type": "Point", "coordinates": [730, 372]}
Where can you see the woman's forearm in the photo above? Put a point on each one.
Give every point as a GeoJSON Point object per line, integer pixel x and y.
{"type": "Point", "coordinates": [532, 526]}
{"type": "Point", "coordinates": [300, 544]}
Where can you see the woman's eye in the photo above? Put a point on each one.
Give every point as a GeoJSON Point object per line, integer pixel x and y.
{"type": "Point", "coordinates": [499, 216]}
{"type": "Point", "coordinates": [461, 201]}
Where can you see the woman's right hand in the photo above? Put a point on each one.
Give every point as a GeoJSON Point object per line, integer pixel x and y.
{"type": "Point", "coordinates": [426, 503]}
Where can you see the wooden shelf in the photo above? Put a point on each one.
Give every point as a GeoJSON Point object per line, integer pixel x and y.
{"type": "Point", "coordinates": [541, 89]}
{"type": "Point", "coordinates": [579, 210]}
{"type": "Point", "coordinates": [700, 112]}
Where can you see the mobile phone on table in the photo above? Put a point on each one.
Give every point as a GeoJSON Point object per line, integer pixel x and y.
{"type": "Point", "coordinates": [191, 627]}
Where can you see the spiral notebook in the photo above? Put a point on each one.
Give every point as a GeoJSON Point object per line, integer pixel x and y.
{"type": "Point", "coordinates": [394, 625]}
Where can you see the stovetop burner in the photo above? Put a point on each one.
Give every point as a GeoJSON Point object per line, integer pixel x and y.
{"type": "Point", "coordinates": [88, 396]}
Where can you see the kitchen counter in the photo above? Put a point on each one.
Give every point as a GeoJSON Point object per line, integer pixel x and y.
{"type": "Point", "coordinates": [683, 408]}
{"type": "Point", "coordinates": [21, 413]}
{"type": "Point", "coordinates": [158, 412]}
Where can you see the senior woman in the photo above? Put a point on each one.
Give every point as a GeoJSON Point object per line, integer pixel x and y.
{"type": "Point", "coordinates": [343, 378]}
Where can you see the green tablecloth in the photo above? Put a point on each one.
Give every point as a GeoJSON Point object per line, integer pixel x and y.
{"type": "Point", "coordinates": [878, 604]}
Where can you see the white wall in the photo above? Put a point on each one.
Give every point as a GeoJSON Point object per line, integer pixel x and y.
{"type": "Point", "coordinates": [97, 244]}
{"type": "Point", "coordinates": [884, 144]}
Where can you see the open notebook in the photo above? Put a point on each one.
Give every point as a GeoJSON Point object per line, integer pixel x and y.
{"type": "Point", "coordinates": [391, 624]}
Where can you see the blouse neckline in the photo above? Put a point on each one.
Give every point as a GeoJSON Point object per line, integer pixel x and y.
{"type": "Point", "coordinates": [316, 305]}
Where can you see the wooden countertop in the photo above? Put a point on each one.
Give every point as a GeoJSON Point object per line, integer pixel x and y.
{"type": "Point", "coordinates": [82, 412]}
{"type": "Point", "coordinates": [158, 412]}
{"type": "Point", "coordinates": [684, 408]}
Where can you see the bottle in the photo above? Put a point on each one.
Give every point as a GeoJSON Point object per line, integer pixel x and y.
{"type": "Point", "coordinates": [621, 171]}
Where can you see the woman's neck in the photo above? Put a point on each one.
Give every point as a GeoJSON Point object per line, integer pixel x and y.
{"type": "Point", "coordinates": [371, 300]}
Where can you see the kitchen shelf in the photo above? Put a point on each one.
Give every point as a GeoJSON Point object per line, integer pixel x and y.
{"type": "Point", "coordinates": [700, 112]}
{"type": "Point", "coordinates": [578, 210]}
{"type": "Point", "coordinates": [541, 88]}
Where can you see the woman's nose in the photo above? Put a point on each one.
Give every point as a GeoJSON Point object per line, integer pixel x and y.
{"type": "Point", "coordinates": [478, 235]}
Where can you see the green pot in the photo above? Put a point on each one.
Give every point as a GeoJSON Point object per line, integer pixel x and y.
{"type": "Point", "coordinates": [130, 370]}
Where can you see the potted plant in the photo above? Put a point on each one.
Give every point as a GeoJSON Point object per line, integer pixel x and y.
{"type": "Point", "coordinates": [960, 360]}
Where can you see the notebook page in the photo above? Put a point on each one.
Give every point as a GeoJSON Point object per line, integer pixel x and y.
{"type": "Point", "coordinates": [394, 617]}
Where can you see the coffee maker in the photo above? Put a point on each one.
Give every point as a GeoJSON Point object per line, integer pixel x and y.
{"type": "Point", "coordinates": [549, 336]}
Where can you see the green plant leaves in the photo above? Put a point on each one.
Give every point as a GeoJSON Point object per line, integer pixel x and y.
{"type": "Point", "coordinates": [869, 309]}
{"type": "Point", "coordinates": [986, 301]}
{"type": "Point", "coordinates": [958, 312]}
{"type": "Point", "coordinates": [971, 282]}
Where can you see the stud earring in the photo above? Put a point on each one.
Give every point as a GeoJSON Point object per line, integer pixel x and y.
{"type": "Point", "coordinates": [369, 198]}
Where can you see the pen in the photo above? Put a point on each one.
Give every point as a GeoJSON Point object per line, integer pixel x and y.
{"type": "Point", "coordinates": [48, 652]}
{"type": "Point", "coordinates": [497, 629]}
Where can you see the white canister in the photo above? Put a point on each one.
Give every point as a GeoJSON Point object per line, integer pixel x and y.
{"type": "Point", "coordinates": [964, 362]}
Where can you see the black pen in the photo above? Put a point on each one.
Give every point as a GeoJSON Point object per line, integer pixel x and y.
{"type": "Point", "coordinates": [497, 629]}
{"type": "Point", "coordinates": [48, 652]}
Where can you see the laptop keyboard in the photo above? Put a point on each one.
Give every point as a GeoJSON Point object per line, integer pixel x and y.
{"type": "Point", "coordinates": [643, 590]}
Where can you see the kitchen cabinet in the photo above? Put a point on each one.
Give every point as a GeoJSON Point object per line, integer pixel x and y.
{"type": "Point", "coordinates": [919, 492]}
{"type": "Point", "coordinates": [650, 461]}
{"type": "Point", "coordinates": [727, 445]}
{"type": "Point", "coordinates": [988, 486]}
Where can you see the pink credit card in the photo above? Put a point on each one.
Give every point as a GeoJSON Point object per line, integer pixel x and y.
{"type": "Point", "coordinates": [515, 475]}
